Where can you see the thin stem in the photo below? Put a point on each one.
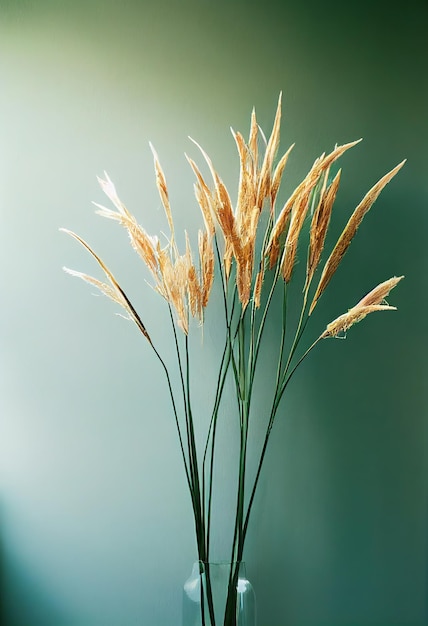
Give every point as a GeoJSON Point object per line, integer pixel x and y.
{"type": "Point", "coordinates": [288, 378]}
{"type": "Point", "coordinates": [253, 306]}
{"type": "Point", "coordinates": [212, 433]}
{"type": "Point", "coordinates": [299, 331]}
{"type": "Point", "coordinates": [224, 367]}
{"type": "Point", "coordinates": [199, 505]}
{"type": "Point", "coordinates": [241, 359]}
{"type": "Point", "coordinates": [278, 395]}
{"type": "Point", "coordinates": [283, 333]}
{"type": "Point", "coordinates": [175, 416]}
{"type": "Point", "coordinates": [192, 452]}
{"type": "Point", "coordinates": [236, 531]}
{"type": "Point", "coordinates": [243, 398]}
{"type": "Point", "coordinates": [223, 282]}
{"type": "Point", "coordinates": [263, 322]}
{"type": "Point", "coordinates": [191, 471]}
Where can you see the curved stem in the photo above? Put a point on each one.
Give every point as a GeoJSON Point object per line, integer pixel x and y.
{"type": "Point", "coordinates": [288, 378]}
{"type": "Point", "coordinates": [175, 417]}
{"type": "Point", "coordinates": [278, 395]}
{"type": "Point", "coordinates": [299, 332]}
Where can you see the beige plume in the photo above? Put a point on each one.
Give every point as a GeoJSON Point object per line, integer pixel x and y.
{"type": "Point", "coordinates": [115, 291]}
{"type": "Point", "coordinates": [349, 232]}
{"type": "Point", "coordinates": [373, 301]}
{"type": "Point", "coordinates": [163, 192]}
{"type": "Point", "coordinates": [319, 227]}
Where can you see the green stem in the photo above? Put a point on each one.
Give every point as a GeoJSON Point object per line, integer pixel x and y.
{"type": "Point", "coordinates": [191, 465]}
{"type": "Point", "coordinates": [175, 417]}
{"type": "Point", "coordinates": [283, 333]}
{"type": "Point", "coordinates": [199, 516]}
{"type": "Point", "coordinates": [299, 332]}
{"type": "Point", "coordinates": [194, 460]}
{"type": "Point", "coordinates": [241, 359]}
{"type": "Point", "coordinates": [277, 398]}
{"type": "Point", "coordinates": [244, 405]}
{"type": "Point", "coordinates": [287, 379]}
{"type": "Point", "coordinates": [224, 367]}
{"type": "Point", "coordinates": [212, 434]}
{"type": "Point", "coordinates": [262, 325]}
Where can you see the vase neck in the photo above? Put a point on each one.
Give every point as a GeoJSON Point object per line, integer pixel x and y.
{"type": "Point", "coordinates": [219, 566]}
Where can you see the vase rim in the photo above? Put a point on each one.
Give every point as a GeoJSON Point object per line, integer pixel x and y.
{"type": "Point", "coordinates": [220, 562]}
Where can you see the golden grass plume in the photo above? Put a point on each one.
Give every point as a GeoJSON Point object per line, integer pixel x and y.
{"type": "Point", "coordinates": [187, 286]}
{"type": "Point", "coordinates": [113, 291]}
{"type": "Point", "coordinates": [373, 301]}
{"type": "Point", "coordinates": [349, 232]}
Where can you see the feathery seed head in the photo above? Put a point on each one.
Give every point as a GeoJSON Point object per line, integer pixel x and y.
{"type": "Point", "coordinates": [379, 293]}
{"type": "Point", "coordinates": [319, 227]}
{"type": "Point", "coordinates": [115, 291]}
{"type": "Point", "coordinates": [373, 301]}
{"type": "Point", "coordinates": [187, 287]}
{"type": "Point", "coordinates": [163, 191]}
{"type": "Point", "coordinates": [349, 232]}
{"type": "Point", "coordinates": [353, 316]}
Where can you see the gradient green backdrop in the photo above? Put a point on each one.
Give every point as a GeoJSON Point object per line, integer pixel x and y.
{"type": "Point", "coordinates": [95, 521]}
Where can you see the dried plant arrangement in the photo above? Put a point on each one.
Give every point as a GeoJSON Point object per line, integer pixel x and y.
{"type": "Point", "coordinates": [251, 247]}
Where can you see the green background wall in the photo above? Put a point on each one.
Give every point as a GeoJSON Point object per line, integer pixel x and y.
{"type": "Point", "coordinates": [95, 521]}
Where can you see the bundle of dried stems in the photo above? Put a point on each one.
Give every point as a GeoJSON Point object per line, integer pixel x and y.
{"type": "Point", "coordinates": [246, 250]}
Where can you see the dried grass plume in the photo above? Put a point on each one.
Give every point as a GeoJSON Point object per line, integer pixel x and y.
{"type": "Point", "coordinates": [373, 301]}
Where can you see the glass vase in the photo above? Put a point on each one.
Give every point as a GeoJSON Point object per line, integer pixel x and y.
{"type": "Point", "coordinates": [218, 594]}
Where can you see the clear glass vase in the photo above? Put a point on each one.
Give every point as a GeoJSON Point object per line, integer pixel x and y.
{"type": "Point", "coordinates": [218, 594]}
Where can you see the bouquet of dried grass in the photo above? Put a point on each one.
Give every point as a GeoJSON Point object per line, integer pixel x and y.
{"type": "Point", "coordinates": [229, 239]}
